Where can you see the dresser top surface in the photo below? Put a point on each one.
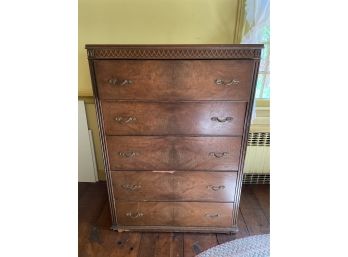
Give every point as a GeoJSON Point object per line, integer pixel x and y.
{"type": "Point", "coordinates": [177, 51]}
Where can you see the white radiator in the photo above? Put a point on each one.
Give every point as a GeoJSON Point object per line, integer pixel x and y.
{"type": "Point", "coordinates": [257, 160]}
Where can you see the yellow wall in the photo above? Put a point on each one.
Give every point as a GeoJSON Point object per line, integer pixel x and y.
{"type": "Point", "coordinates": [150, 22]}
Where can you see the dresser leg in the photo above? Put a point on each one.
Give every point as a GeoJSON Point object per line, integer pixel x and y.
{"type": "Point", "coordinates": [234, 231]}
{"type": "Point", "coordinates": [114, 228]}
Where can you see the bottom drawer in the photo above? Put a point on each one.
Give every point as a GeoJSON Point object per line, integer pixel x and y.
{"type": "Point", "coordinates": [189, 214]}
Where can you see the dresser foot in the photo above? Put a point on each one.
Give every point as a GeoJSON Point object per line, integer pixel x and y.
{"type": "Point", "coordinates": [234, 231]}
{"type": "Point", "coordinates": [113, 227]}
{"type": "Point", "coordinates": [120, 230]}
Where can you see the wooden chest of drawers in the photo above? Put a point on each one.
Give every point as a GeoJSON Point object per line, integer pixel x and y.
{"type": "Point", "coordinates": [173, 122]}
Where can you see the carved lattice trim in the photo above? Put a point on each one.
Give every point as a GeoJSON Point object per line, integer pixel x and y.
{"type": "Point", "coordinates": [173, 52]}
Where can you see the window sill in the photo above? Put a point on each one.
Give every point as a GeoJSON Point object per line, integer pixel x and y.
{"type": "Point", "coordinates": [262, 121]}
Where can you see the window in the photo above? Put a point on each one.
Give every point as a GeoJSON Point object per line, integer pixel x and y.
{"type": "Point", "coordinates": [256, 30]}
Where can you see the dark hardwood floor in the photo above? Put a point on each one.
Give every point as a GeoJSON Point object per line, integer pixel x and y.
{"type": "Point", "coordinates": [97, 240]}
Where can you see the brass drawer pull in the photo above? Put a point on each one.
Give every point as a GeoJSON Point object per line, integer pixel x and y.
{"type": "Point", "coordinates": [217, 154]}
{"type": "Point", "coordinates": [221, 120]}
{"type": "Point", "coordinates": [120, 82]}
{"type": "Point", "coordinates": [226, 83]}
{"type": "Point", "coordinates": [134, 216]}
{"type": "Point", "coordinates": [215, 215]}
{"type": "Point", "coordinates": [131, 187]}
{"type": "Point", "coordinates": [127, 154]}
{"type": "Point", "coordinates": [215, 188]}
{"type": "Point", "coordinates": [123, 120]}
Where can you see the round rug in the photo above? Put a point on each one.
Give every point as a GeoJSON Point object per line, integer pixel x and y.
{"type": "Point", "coordinates": [251, 246]}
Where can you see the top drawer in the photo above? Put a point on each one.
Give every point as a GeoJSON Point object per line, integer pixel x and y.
{"type": "Point", "coordinates": [174, 79]}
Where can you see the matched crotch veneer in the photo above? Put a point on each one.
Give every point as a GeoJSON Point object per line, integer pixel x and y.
{"type": "Point", "coordinates": [174, 186]}
{"type": "Point", "coordinates": [173, 123]}
{"type": "Point", "coordinates": [173, 153]}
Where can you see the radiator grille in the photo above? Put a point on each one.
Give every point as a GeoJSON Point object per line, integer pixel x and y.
{"type": "Point", "coordinates": [257, 166]}
{"type": "Point", "coordinates": [259, 139]}
{"type": "Point", "coordinates": [256, 178]}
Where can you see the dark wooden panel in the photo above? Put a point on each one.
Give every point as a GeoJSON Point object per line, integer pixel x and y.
{"type": "Point", "coordinates": [173, 153]}
{"type": "Point", "coordinates": [189, 214]}
{"type": "Point", "coordinates": [203, 214]}
{"type": "Point", "coordinates": [144, 213]}
{"type": "Point", "coordinates": [134, 118]}
{"type": "Point", "coordinates": [174, 79]}
{"type": "Point", "coordinates": [179, 185]}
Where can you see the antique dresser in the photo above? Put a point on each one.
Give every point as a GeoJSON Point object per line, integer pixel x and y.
{"type": "Point", "coordinates": [174, 123]}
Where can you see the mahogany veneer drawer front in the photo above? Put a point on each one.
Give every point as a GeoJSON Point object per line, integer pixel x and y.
{"type": "Point", "coordinates": [173, 123]}
{"type": "Point", "coordinates": [174, 79]}
{"type": "Point", "coordinates": [174, 186]}
{"type": "Point", "coordinates": [175, 214]}
{"type": "Point", "coordinates": [173, 153]}
{"type": "Point", "coordinates": [211, 118]}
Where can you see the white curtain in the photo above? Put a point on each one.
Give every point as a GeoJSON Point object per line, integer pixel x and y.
{"type": "Point", "coordinates": [257, 16]}
{"type": "Point", "coordinates": [257, 19]}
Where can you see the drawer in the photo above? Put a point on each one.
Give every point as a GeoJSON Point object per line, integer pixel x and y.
{"type": "Point", "coordinates": [174, 186]}
{"type": "Point", "coordinates": [174, 79]}
{"type": "Point", "coordinates": [187, 214]}
{"type": "Point", "coordinates": [173, 153]}
{"type": "Point", "coordinates": [144, 213]}
{"type": "Point", "coordinates": [131, 118]}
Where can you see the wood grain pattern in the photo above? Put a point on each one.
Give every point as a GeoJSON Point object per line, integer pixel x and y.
{"type": "Point", "coordinates": [161, 245]}
{"type": "Point", "coordinates": [148, 244]}
{"type": "Point", "coordinates": [96, 193]}
{"type": "Point", "coordinates": [174, 79]}
{"type": "Point", "coordinates": [176, 186]}
{"type": "Point", "coordinates": [262, 194]}
{"type": "Point", "coordinates": [252, 212]}
{"type": "Point", "coordinates": [173, 153]}
{"type": "Point", "coordinates": [97, 240]}
{"type": "Point", "coordinates": [106, 243]}
{"type": "Point", "coordinates": [163, 80]}
{"type": "Point", "coordinates": [197, 243]}
{"type": "Point", "coordinates": [144, 213]}
{"type": "Point", "coordinates": [203, 214]}
{"type": "Point", "coordinates": [103, 142]}
{"type": "Point", "coordinates": [174, 214]}
{"type": "Point", "coordinates": [169, 244]}
{"type": "Point", "coordinates": [186, 118]}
